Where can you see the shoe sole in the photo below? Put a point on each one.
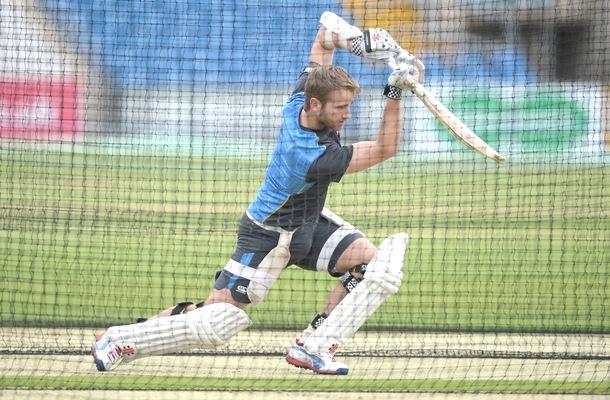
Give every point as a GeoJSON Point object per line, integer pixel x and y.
{"type": "Point", "coordinates": [300, 364]}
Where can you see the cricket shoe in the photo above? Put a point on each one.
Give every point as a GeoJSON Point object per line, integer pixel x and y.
{"type": "Point", "coordinates": [323, 363]}
{"type": "Point", "coordinates": [106, 355]}
{"type": "Point", "coordinates": [332, 351]}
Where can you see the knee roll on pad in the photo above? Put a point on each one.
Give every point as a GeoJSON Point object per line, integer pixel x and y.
{"type": "Point", "coordinates": [214, 324]}
{"type": "Point", "coordinates": [384, 272]}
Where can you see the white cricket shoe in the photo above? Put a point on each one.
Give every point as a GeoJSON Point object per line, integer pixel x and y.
{"type": "Point", "coordinates": [323, 363]}
{"type": "Point", "coordinates": [106, 355]}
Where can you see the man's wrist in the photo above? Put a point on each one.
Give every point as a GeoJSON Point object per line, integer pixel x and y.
{"type": "Point", "coordinates": [357, 46]}
{"type": "Point", "coordinates": [392, 92]}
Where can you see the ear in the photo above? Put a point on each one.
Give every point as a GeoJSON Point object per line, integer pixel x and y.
{"type": "Point", "coordinates": [315, 104]}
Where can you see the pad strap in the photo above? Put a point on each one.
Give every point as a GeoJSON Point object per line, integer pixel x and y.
{"type": "Point", "coordinates": [349, 281]}
{"type": "Point", "coordinates": [181, 308]}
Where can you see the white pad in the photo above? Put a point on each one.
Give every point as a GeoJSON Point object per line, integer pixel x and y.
{"type": "Point", "coordinates": [270, 267]}
{"type": "Point", "coordinates": [382, 278]}
{"type": "Point", "coordinates": [335, 24]}
{"type": "Point", "coordinates": [208, 327]}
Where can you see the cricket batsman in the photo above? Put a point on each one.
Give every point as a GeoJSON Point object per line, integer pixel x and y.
{"type": "Point", "coordinates": [287, 223]}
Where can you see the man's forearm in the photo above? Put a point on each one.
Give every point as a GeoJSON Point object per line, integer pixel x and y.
{"type": "Point", "coordinates": [318, 53]}
{"type": "Point", "coordinates": [390, 129]}
{"type": "Point", "coordinates": [369, 153]}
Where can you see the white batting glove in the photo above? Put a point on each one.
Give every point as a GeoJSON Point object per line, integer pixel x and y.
{"type": "Point", "coordinates": [398, 80]}
{"type": "Point", "coordinates": [344, 32]}
{"type": "Point", "coordinates": [406, 68]}
{"type": "Point", "coordinates": [400, 75]}
{"type": "Point", "coordinates": [417, 67]}
{"type": "Point", "coordinates": [376, 44]}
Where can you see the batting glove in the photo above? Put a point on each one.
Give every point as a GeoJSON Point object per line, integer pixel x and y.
{"type": "Point", "coordinates": [404, 57]}
{"type": "Point", "coordinates": [375, 44]}
{"type": "Point", "coordinates": [398, 81]}
{"type": "Point", "coordinates": [406, 69]}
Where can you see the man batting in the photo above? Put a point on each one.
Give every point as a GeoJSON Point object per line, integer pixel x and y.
{"type": "Point", "coordinates": [287, 223]}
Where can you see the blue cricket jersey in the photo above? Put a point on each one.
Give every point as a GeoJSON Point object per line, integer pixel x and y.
{"type": "Point", "coordinates": [302, 166]}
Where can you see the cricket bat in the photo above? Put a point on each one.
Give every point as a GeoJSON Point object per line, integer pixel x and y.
{"type": "Point", "coordinates": [454, 125]}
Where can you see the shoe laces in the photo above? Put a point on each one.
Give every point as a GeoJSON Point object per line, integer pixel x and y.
{"type": "Point", "coordinates": [331, 351]}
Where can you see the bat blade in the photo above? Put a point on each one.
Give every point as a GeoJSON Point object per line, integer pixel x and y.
{"type": "Point", "coordinates": [454, 125]}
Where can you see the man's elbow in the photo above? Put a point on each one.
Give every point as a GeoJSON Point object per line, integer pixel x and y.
{"type": "Point", "coordinates": [389, 152]}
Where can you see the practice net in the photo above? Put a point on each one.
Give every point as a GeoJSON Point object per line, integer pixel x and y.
{"type": "Point", "coordinates": [133, 135]}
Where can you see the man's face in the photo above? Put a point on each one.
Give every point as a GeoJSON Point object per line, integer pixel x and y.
{"type": "Point", "coordinates": [336, 111]}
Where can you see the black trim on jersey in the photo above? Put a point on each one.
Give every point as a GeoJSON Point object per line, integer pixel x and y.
{"type": "Point", "coordinates": [332, 164]}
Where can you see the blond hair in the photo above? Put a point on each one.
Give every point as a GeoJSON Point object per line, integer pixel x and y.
{"type": "Point", "coordinates": [324, 79]}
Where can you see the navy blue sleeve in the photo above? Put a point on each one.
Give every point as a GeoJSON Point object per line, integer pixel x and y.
{"type": "Point", "coordinates": [332, 164]}
{"type": "Point", "coordinates": [299, 86]}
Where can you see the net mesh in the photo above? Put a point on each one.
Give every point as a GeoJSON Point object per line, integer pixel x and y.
{"type": "Point", "coordinates": [133, 135]}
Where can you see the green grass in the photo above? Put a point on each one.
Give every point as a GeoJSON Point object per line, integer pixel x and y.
{"type": "Point", "coordinates": [90, 240]}
{"type": "Point", "coordinates": [326, 384]}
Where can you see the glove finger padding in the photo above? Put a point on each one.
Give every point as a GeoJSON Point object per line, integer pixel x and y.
{"type": "Point", "coordinates": [400, 76]}
{"type": "Point", "coordinates": [404, 57]}
{"type": "Point", "coordinates": [405, 60]}
{"type": "Point", "coordinates": [420, 71]}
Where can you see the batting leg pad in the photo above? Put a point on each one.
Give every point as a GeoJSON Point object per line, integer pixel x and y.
{"type": "Point", "coordinates": [206, 327]}
{"type": "Point", "coordinates": [382, 278]}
